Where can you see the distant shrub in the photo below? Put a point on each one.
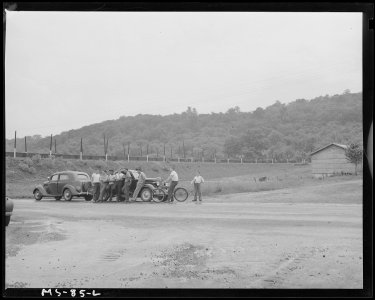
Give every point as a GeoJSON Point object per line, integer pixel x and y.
{"type": "Point", "coordinates": [218, 189]}
{"type": "Point", "coordinates": [48, 163]}
{"type": "Point", "coordinates": [29, 161]}
{"type": "Point", "coordinates": [60, 164]}
{"type": "Point", "coordinates": [155, 170]}
{"type": "Point", "coordinates": [23, 167]}
{"type": "Point", "coordinates": [36, 159]}
{"type": "Point", "coordinates": [100, 164]}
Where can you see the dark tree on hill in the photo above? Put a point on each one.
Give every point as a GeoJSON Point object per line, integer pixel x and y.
{"type": "Point", "coordinates": [354, 154]}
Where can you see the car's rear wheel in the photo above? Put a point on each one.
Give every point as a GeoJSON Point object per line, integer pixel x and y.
{"type": "Point", "coordinates": [38, 195]}
{"type": "Point", "coordinates": [7, 220]}
{"type": "Point", "coordinates": [58, 198]}
{"type": "Point", "coordinates": [146, 194]}
{"type": "Point", "coordinates": [67, 195]}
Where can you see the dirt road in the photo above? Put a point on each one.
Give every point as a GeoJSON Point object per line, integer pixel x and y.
{"type": "Point", "coordinates": [280, 239]}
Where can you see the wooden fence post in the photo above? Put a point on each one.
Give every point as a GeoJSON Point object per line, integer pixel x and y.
{"type": "Point", "coordinates": [50, 148]}
{"type": "Point", "coordinates": [15, 145]}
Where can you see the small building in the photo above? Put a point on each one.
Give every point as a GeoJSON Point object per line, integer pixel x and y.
{"type": "Point", "coordinates": [331, 160]}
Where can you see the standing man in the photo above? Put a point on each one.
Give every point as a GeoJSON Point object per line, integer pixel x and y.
{"type": "Point", "coordinates": [173, 179]}
{"type": "Point", "coordinates": [103, 185]}
{"type": "Point", "coordinates": [198, 179]}
{"type": "Point", "coordinates": [140, 183]}
{"type": "Point", "coordinates": [119, 183]}
{"type": "Point", "coordinates": [127, 183]}
{"type": "Point", "coordinates": [95, 179]}
{"type": "Point", "coordinates": [111, 184]}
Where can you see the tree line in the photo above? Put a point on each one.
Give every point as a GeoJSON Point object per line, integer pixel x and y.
{"type": "Point", "coordinates": [280, 131]}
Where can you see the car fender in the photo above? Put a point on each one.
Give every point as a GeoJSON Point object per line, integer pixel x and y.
{"type": "Point", "coordinates": [147, 185]}
{"type": "Point", "coordinates": [41, 189]}
{"type": "Point", "coordinates": [71, 188]}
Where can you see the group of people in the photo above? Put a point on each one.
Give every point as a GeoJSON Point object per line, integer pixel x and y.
{"type": "Point", "coordinates": [118, 182]}
{"type": "Point", "coordinates": [112, 182]}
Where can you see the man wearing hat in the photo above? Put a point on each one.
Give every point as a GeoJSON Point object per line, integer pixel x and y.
{"type": "Point", "coordinates": [140, 183]}
{"type": "Point", "coordinates": [119, 184]}
{"type": "Point", "coordinates": [103, 184]}
{"type": "Point", "coordinates": [111, 184]}
{"type": "Point", "coordinates": [127, 183]}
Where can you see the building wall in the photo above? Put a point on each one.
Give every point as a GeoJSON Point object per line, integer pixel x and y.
{"type": "Point", "coordinates": [331, 160]}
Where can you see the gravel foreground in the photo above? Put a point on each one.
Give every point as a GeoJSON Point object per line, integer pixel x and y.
{"type": "Point", "coordinates": [288, 238]}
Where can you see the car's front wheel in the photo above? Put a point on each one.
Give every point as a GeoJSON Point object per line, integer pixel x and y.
{"type": "Point", "coordinates": [146, 194]}
{"type": "Point", "coordinates": [67, 195]}
{"type": "Point", "coordinates": [88, 197]}
{"type": "Point", "coordinates": [38, 195]}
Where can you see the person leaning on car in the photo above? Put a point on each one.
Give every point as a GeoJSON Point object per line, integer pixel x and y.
{"type": "Point", "coordinates": [127, 183]}
{"type": "Point", "coordinates": [111, 184]}
{"type": "Point", "coordinates": [140, 183]}
{"type": "Point", "coordinates": [119, 184]}
{"type": "Point", "coordinates": [95, 178]}
{"type": "Point", "coordinates": [103, 184]}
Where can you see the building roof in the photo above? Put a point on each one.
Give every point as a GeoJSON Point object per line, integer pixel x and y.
{"type": "Point", "coordinates": [334, 144]}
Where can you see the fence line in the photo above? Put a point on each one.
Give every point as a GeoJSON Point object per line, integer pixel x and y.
{"type": "Point", "coordinates": [148, 158]}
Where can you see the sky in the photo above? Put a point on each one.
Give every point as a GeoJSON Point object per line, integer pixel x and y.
{"type": "Point", "coordinates": [66, 70]}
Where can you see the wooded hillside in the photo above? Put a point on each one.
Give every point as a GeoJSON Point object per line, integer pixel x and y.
{"type": "Point", "coordinates": [280, 131]}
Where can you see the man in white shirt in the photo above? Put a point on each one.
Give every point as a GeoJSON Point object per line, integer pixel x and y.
{"type": "Point", "coordinates": [140, 183]}
{"type": "Point", "coordinates": [198, 179]}
{"type": "Point", "coordinates": [119, 182]}
{"type": "Point", "coordinates": [95, 179]}
{"type": "Point", "coordinates": [173, 179]}
{"type": "Point", "coordinates": [111, 184]}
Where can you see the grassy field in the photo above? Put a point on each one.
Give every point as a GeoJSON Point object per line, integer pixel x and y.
{"type": "Point", "coordinates": [22, 174]}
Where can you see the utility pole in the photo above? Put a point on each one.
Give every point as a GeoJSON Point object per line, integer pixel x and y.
{"type": "Point", "coordinates": [164, 151]}
{"type": "Point", "coordinates": [25, 146]}
{"type": "Point", "coordinates": [106, 149]}
{"type": "Point", "coordinates": [81, 153]}
{"type": "Point", "coordinates": [15, 144]}
{"type": "Point", "coordinates": [128, 151]}
{"type": "Point", "coordinates": [50, 147]}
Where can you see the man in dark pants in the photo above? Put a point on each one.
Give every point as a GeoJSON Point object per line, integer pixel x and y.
{"type": "Point", "coordinates": [103, 185]}
{"type": "Point", "coordinates": [140, 183]}
{"type": "Point", "coordinates": [111, 184]}
{"type": "Point", "coordinates": [127, 183]}
{"type": "Point", "coordinates": [119, 184]}
{"type": "Point", "coordinates": [95, 178]}
{"type": "Point", "coordinates": [173, 178]}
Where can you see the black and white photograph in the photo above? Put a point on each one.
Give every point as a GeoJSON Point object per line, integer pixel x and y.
{"type": "Point", "coordinates": [193, 150]}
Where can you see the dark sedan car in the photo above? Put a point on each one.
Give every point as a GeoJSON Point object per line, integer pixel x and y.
{"type": "Point", "coordinates": [67, 184]}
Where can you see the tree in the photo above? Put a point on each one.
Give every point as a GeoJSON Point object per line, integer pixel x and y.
{"type": "Point", "coordinates": [354, 154]}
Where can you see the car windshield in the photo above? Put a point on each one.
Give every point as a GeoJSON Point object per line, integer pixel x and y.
{"type": "Point", "coordinates": [83, 177]}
